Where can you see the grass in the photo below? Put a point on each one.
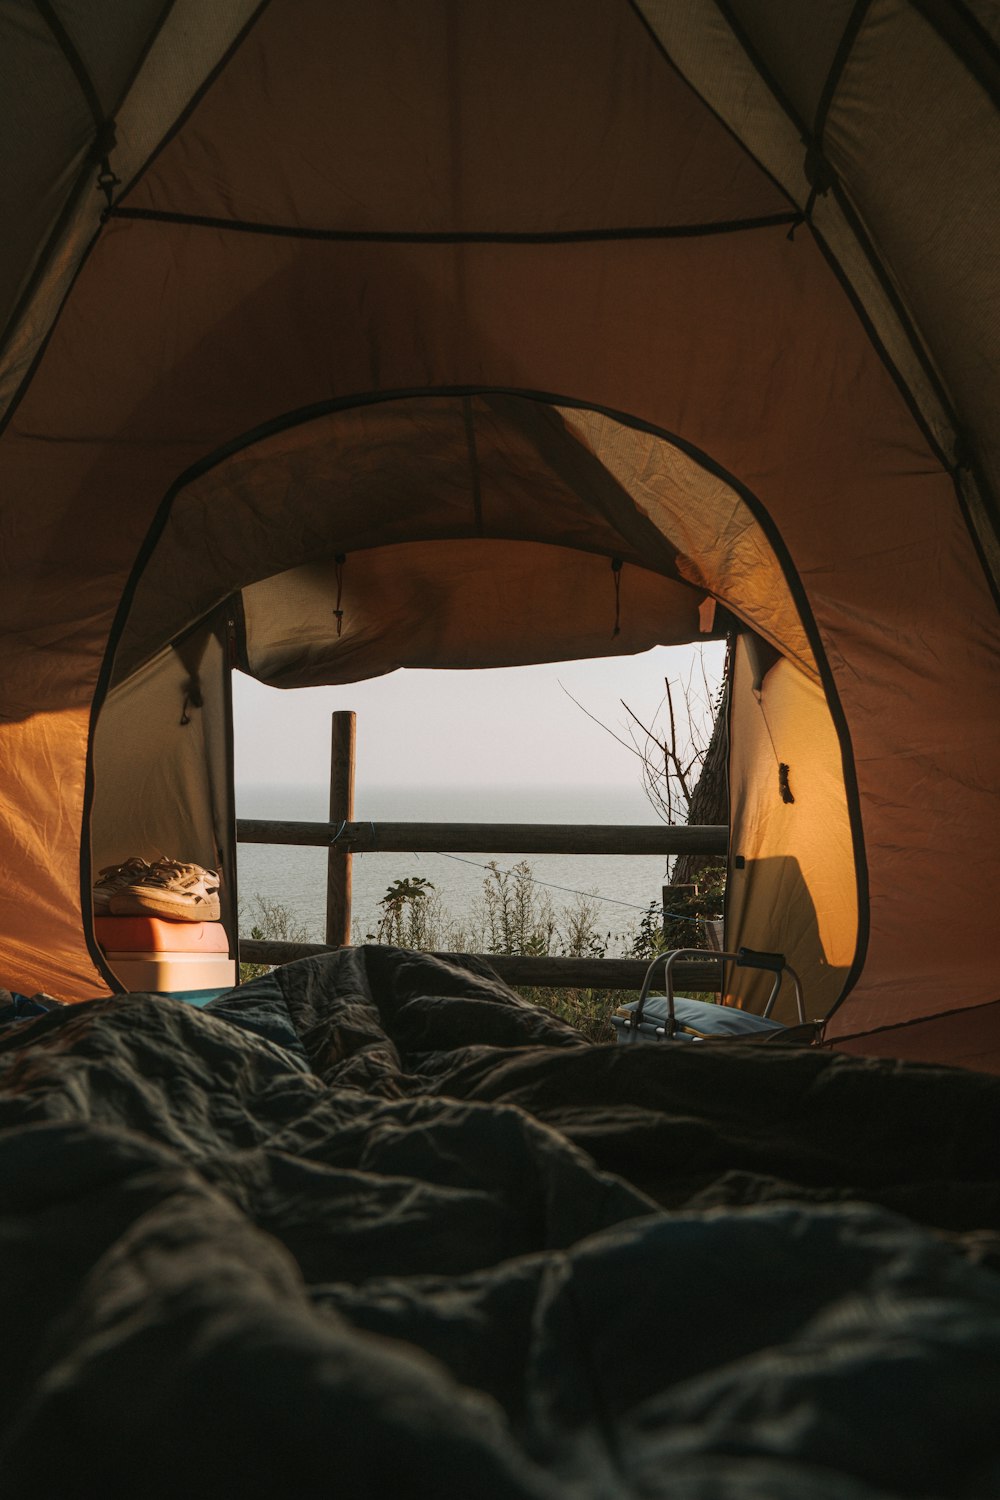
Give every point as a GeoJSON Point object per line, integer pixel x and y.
{"type": "Point", "coordinates": [511, 915]}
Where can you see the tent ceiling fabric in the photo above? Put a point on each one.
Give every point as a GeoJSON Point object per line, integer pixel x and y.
{"type": "Point", "coordinates": [890, 144]}
{"type": "Point", "coordinates": [72, 72]}
{"type": "Point", "coordinates": [435, 87]}
{"type": "Point", "coordinates": [415, 470]}
{"type": "Point", "coordinates": [705, 233]}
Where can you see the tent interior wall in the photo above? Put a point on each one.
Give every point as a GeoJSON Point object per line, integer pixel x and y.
{"type": "Point", "coordinates": [707, 290]}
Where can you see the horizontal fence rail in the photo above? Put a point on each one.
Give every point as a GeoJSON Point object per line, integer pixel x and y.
{"type": "Point", "coordinates": [519, 969]}
{"type": "Point", "coordinates": [489, 838]}
{"type": "Point", "coordinates": [344, 836]}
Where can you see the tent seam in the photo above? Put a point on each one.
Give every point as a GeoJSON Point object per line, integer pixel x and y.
{"type": "Point", "coordinates": [906, 324]}
{"type": "Point", "coordinates": [845, 47]}
{"type": "Point", "coordinates": [195, 99]}
{"type": "Point", "coordinates": [945, 21]}
{"type": "Point", "coordinates": [938, 1015]}
{"type": "Point", "coordinates": [636, 8]}
{"type": "Point", "coordinates": [457, 236]}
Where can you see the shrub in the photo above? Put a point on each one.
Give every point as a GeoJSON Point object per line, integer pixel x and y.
{"type": "Point", "coordinates": [270, 922]}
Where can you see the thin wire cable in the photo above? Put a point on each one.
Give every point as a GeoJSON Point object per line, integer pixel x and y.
{"type": "Point", "coordinates": [567, 889]}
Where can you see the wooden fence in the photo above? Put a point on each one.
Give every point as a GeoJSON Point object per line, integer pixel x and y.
{"type": "Point", "coordinates": [343, 837]}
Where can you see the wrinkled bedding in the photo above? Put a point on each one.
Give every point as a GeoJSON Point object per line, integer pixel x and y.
{"type": "Point", "coordinates": [374, 1226]}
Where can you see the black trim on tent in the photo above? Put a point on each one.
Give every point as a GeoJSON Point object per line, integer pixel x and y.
{"type": "Point", "coordinates": [951, 468]}
{"type": "Point", "coordinates": [69, 51]}
{"type": "Point", "coordinates": [857, 229]}
{"type": "Point", "coordinates": [35, 281]}
{"type": "Point", "coordinates": [741, 35]}
{"type": "Point", "coordinates": [103, 144]}
{"type": "Point", "coordinates": [196, 97]}
{"type": "Point", "coordinates": [991, 505]}
{"type": "Point", "coordinates": [303, 415]}
{"type": "Point", "coordinates": [458, 236]}
{"type": "Point", "coordinates": [855, 21]}
{"type": "Point", "coordinates": [230, 859]}
{"type": "Point", "coordinates": [967, 38]}
{"type": "Point", "coordinates": [723, 124]}
{"type": "Point", "coordinates": [835, 1043]}
{"type": "Point", "coordinates": [36, 359]}
{"type": "Point", "coordinates": [67, 212]}
{"type": "Point", "coordinates": [84, 176]}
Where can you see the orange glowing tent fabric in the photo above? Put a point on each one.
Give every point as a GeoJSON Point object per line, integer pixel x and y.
{"type": "Point", "coordinates": [603, 309]}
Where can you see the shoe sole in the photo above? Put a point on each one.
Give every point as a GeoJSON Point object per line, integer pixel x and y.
{"type": "Point", "coordinates": [159, 904]}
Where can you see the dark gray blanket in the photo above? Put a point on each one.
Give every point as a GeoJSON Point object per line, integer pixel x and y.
{"type": "Point", "coordinates": [373, 1226]}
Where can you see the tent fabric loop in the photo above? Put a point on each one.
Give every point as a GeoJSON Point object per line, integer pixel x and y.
{"type": "Point", "coordinates": [338, 612]}
{"type": "Point", "coordinates": [107, 181]}
{"type": "Point", "coordinates": [819, 175]}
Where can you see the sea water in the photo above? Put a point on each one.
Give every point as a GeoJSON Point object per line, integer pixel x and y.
{"type": "Point", "coordinates": [620, 886]}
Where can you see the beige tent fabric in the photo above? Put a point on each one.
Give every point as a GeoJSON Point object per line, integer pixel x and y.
{"type": "Point", "coordinates": [791, 887]}
{"type": "Point", "coordinates": [41, 918]}
{"type": "Point", "coordinates": [48, 150]}
{"type": "Point", "coordinates": [415, 470]}
{"type": "Point", "coordinates": [531, 202]}
{"type": "Point", "coordinates": [438, 142]}
{"type": "Point", "coordinates": [141, 62]}
{"type": "Point", "coordinates": [469, 603]}
{"type": "Point", "coordinates": [721, 546]}
{"type": "Point", "coordinates": [800, 42]}
{"type": "Point", "coordinates": [964, 1039]}
{"type": "Point", "coordinates": [912, 201]}
{"type": "Point", "coordinates": [162, 762]}
{"type": "Point", "coordinates": [904, 156]}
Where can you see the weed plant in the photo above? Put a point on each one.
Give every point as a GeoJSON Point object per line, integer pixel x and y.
{"type": "Point", "coordinates": [511, 915]}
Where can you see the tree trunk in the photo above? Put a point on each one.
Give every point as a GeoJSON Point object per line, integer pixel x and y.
{"type": "Point", "coordinates": [710, 798]}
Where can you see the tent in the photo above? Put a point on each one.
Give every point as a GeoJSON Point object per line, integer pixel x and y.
{"type": "Point", "coordinates": [343, 336]}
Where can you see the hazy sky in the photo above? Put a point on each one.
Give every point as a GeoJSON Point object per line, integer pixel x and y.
{"type": "Point", "coordinates": [508, 726]}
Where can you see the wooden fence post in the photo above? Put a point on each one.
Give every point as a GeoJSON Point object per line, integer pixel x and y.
{"type": "Point", "coordinates": [338, 866]}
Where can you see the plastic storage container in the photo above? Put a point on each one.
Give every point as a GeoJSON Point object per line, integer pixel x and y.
{"type": "Point", "coordinates": [185, 960]}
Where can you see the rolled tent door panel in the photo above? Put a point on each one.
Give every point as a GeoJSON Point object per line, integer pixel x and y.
{"type": "Point", "coordinates": [455, 604]}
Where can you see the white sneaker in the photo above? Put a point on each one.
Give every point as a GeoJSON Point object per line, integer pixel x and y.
{"type": "Point", "coordinates": [112, 878]}
{"type": "Point", "coordinates": [169, 888]}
